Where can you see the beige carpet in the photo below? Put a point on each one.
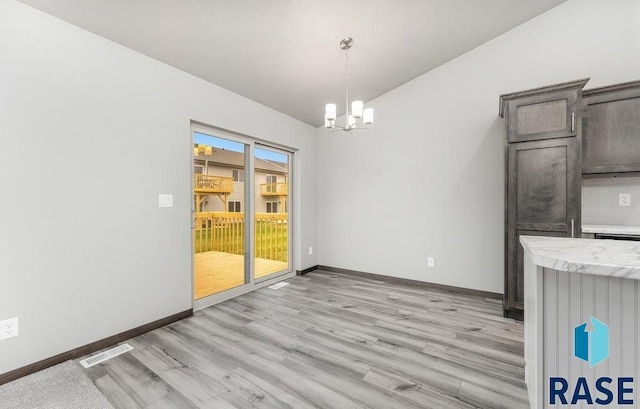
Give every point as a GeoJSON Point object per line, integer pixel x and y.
{"type": "Point", "coordinates": [63, 386]}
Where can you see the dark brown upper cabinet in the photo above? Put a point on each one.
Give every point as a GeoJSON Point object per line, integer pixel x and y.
{"type": "Point", "coordinates": [543, 113]}
{"type": "Point", "coordinates": [611, 137]}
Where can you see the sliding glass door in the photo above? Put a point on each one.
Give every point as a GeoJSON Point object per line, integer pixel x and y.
{"type": "Point", "coordinates": [271, 174]}
{"type": "Point", "coordinates": [219, 192]}
{"type": "Point", "coordinates": [241, 219]}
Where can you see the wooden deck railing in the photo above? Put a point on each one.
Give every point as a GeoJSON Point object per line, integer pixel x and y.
{"type": "Point", "coordinates": [224, 231]}
{"type": "Point", "coordinates": [274, 189]}
{"type": "Point", "coordinates": [272, 239]}
{"type": "Point", "coordinates": [212, 184]}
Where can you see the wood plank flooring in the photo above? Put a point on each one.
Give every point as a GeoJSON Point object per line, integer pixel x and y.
{"type": "Point", "coordinates": [216, 271]}
{"type": "Point", "coordinates": [327, 340]}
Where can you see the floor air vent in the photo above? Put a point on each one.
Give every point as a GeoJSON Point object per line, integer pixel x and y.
{"type": "Point", "coordinates": [278, 285]}
{"type": "Point", "coordinates": [106, 355]}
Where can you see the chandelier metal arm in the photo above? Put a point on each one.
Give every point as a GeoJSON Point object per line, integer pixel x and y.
{"type": "Point", "coordinates": [345, 129]}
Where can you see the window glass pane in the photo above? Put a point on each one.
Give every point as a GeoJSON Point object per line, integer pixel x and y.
{"type": "Point", "coordinates": [238, 175]}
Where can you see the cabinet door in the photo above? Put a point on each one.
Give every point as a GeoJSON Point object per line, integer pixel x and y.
{"type": "Point", "coordinates": [547, 116]}
{"type": "Point", "coordinates": [612, 132]}
{"type": "Point", "coordinates": [543, 198]}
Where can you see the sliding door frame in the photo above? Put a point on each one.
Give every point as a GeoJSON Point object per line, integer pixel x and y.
{"type": "Point", "coordinates": [249, 215]}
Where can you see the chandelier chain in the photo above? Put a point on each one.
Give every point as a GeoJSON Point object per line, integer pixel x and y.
{"type": "Point", "coordinates": [347, 85]}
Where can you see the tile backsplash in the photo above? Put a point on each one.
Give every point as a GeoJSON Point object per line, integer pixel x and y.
{"type": "Point", "coordinates": [600, 201]}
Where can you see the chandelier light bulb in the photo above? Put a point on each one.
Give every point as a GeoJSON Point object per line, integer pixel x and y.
{"type": "Point", "coordinates": [367, 116]}
{"type": "Point", "coordinates": [330, 112]}
{"type": "Point", "coordinates": [356, 109]}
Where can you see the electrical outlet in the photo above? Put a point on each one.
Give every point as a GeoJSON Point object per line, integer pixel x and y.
{"type": "Point", "coordinates": [431, 262]}
{"type": "Point", "coordinates": [310, 250]}
{"type": "Point", "coordinates": [624, 199]}
{"type": "Point", "coordinates": [9, 328]}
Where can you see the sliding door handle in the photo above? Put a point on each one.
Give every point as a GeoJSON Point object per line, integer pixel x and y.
{"type": "Point", "coordinates": [573, 225]}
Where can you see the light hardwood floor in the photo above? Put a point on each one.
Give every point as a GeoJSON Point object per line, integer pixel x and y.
{"type": "Point", "coordinates": [216, 271]}
{"type": "Point", "coordinates": [327, 340]}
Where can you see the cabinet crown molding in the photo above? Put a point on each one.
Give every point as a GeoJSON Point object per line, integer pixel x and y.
{"type": "Point", "coordinates": [611, 88]}
{"type": "Point", "coordinates": [504, 98]}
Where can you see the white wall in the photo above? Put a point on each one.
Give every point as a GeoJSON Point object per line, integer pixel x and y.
{"type": "Point", "coordinates": [427, 180]}
{"type": "Point", "coordinates": [85, 252]}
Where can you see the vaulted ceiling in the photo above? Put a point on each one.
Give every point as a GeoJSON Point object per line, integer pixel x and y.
{"type": "Point", "coordinates": [285, 53]}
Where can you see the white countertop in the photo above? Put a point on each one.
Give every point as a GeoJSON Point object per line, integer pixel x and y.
{"type": "Point", "coordinates": [610, 229]}
{"type": "Point", "coordinates": [615, 258]}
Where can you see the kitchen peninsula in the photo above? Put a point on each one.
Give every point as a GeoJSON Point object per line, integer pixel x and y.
{"type": "Point", "coordinates": [568, 281]}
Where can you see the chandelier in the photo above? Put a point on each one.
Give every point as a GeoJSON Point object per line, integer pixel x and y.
{"type": "Point", "coordinates": [358, 114]}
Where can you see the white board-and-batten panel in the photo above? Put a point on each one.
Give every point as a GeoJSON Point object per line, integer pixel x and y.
{"type": "Point", "coordinates": [569, 300]}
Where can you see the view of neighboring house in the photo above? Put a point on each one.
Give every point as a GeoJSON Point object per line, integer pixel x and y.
{"type": "Point", "coordinates": [219, 177]}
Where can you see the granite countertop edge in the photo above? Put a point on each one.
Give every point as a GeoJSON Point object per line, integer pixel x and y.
{"type": "Point", "coordinates": [611, 258]}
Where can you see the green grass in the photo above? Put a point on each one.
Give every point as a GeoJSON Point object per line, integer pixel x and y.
{"type": "Point", "coordinates": [271, 240]}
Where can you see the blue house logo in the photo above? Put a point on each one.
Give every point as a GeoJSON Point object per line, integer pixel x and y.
{"type": "Point", "coordinates": [591, 345]}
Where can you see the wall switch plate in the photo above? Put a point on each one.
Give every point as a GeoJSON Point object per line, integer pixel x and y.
{"type": "Point", "coordinates": [310, 250]}
{"type": "Point", "coordinates": [431, 262]}
{"type": "Point", "coordinates": [165, 200]}
{"type": "Point", "coordinates": [624, 199]}
{"type": "Point", "coordinates": [9, 328]}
